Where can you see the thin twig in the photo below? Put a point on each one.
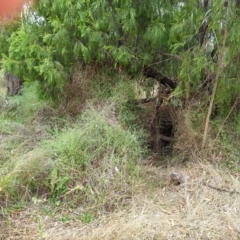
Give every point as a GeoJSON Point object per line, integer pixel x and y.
{"type": "Point", "coordinates": [219, 68]}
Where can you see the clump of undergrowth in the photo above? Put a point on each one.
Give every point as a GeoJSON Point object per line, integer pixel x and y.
{"type": "Point", "coordinates": [73, 154]}
{"type": "Point", "coordinates": [222, 146]}
{"type": "Point", "coordinates": [188, 133]}
{"type": "Point", "coordinates": [98, 85]}
{"type": "Point", "coordinates": [24, 122]}
{"type": "Point", "coordinates": [102, 154]}
{"type": "Point", "coordinates": [83, 163]}
{"type": "Point", "coordinates": [21, 108]}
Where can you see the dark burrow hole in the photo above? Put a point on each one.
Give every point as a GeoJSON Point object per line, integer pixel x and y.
{"type": "Point", "coordinates": [162, 130]}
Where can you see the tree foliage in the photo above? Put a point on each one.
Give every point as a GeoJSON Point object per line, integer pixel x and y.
{"type": "Point", "coordinates": [179, 38]}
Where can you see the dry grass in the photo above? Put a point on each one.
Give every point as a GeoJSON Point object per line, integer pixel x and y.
{"type": "Point", "coordinates": [79, 90]}
{"type": "Point", "coordinates": [189, 138]}
{"type": "Point", "coordinates": [190, 211]}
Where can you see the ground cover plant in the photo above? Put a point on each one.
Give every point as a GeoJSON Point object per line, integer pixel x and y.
{"type": "Point", "coordinates": [120, 120]}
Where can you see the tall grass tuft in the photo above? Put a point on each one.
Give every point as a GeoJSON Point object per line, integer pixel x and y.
{"type": "Point", "coordinates": [82, 163]}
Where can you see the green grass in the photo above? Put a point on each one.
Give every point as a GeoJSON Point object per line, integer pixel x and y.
{"type": "Point", "coordinates": [21, 108]}
{"type": "Point", "coordinates": [89, 157]}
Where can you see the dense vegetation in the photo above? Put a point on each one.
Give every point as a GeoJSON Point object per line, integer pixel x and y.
{"type": "Point", "coordinates": [192, 42]}
{"type": "Point", "coordinates": [53, 38]}
{"type": "Point", "coordinates": [87, 119]}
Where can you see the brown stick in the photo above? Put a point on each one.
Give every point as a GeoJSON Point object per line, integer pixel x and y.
{"type": "Point", "coordinates": [168, 139]}
{"type": "Point", "coordinates": [219, 68]}
{"type": "Point", "coordinates": [154, 73]}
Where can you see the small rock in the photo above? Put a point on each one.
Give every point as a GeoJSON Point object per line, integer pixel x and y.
{"type": "Point", "coordinates": [178, 178]}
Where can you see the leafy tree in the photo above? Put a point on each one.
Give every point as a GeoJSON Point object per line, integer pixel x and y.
{"type": "Point", "coordinates": [179, 38]}
{"type": "Point", "coordinates": [57, 35]}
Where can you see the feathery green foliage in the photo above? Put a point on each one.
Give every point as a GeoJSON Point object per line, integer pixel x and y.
{"type": "Point", "coordinates": [177, 37]}
{"type": "Point", "coordinates": [57, 35]}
